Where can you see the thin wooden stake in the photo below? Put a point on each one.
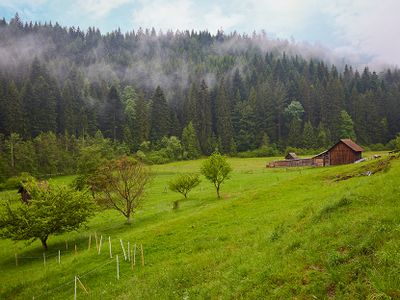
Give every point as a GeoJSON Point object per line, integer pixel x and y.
{"type": "Point", "coordinates": [90, 241]}
{"type": "Point", "coordinates": [131, 255]}
{"type": "Point", "coordinates": [109, 245]}
{"type": "Point", "coordinates": [141, 248]}
{"type": "Point", "coordinates": [75, 288]}
{"type": "Point", "coordinates": [100, 244]}
{"type": "Point", "coordinates": [59, 257]}
{"type": "Point", "coordinates": [129, 251]}
{"type": "Point", "coordinates": [16, 259]}
{"type": "Point", "coordinates": [123, 248]}
{"type": "Point", "coordinates": [134, 255]}
{"type": "Point", "coordinates": [97, 245]}
{"type": "Point", "coordinates": [82, 286]}
{"type": "Point", "coordinates": [76, 250]}
{"type": "Point", "coordinates": [44, 258]}
{"type": "Point", "coordinates": [117, 267]}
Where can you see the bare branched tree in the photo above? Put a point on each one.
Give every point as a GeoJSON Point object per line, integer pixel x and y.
{"type": "Point", "coordinates": [120, 184]}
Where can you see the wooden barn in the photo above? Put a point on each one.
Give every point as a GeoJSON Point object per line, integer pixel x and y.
{"type": "Point", "coordinates": [343, 152]}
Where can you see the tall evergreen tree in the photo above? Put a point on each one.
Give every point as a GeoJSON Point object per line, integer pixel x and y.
{"type": "Point", "coordinates": [160, 121]}
{"type": "Point", "coordinates": [224, 123]}
{"type": "Point", "coordinates": [346, 126]}
{"type": "Point", "coordinates": [190, 142]}
{"type": "Point", "coordinates": [114, 115]}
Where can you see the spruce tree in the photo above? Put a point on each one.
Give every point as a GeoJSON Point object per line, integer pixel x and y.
{"type": "Point", "coordinates": [346, 126]}
{"type": "Point", "coordinates": [224, 124]}
{"type": "Point", "coordinates": [160, 121]}
{"type": "Point", "coordinates": [190, 142]}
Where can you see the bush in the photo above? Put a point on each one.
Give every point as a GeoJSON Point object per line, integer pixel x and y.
{"type": "Point", "coordinates": [15, 182]}
{"type": "Point", "coordinates": [263, 151]}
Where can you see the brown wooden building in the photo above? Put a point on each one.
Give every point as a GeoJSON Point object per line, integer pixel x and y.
{"type": "Point", "coordinates": [343, 152]}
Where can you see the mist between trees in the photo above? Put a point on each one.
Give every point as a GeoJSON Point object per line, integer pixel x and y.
{"type": "Point", "coordinates": [140, 90]}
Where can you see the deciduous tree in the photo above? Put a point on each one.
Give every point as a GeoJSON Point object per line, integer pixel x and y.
{"type": "Point", "coordinates": [216, 169]}
{"type": "Point", "coordinates": [120, 185]}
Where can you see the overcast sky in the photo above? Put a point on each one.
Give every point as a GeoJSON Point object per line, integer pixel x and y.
{"type": "Point", "coordinates": [366, 30]}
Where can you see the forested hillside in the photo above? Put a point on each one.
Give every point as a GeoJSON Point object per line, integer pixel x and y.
{"type": "Point", "coordinates": [239, 91]}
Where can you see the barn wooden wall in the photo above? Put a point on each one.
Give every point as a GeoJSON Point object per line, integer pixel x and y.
{"type": "Point", "coordinates": [342, 154]}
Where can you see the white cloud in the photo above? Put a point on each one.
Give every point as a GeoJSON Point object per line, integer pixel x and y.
{"type": "Point", "coordinates": [183, 14]}
{"type": "Point", "coordinates": [100, 8]}
{"type": "Point", "coordinates": [369, 27]}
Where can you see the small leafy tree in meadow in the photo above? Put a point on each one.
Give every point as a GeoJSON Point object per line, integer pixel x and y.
{"type": "Point", "coordinates": [51, 210]}
{"type": "Point", "coordinates": [120, 184]}
{"type": "Point", "coordinates": [216, 169]}
{"type": "Point", "coordinates": [183, 183]}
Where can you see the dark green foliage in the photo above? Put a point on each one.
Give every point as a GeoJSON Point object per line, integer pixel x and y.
{"type": "Point", "coordinates": [86, 81]}
{"type": "Point", "coordinates": [224, 122]}
{"type": "Point", "coordinates": [160, 118]}
{"type": "Point", "coordinates": [190, 142]}
{"type": "Point", "coordinates": [52, 210]}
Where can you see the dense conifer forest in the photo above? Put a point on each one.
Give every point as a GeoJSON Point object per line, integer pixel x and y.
{"type": "Point", "coordinates": [176, 95]}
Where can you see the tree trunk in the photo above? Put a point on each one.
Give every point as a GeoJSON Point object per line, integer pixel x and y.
{"type": "Point", "coordinates": [44, 243]}
{"type": "Point", "coordinates": [128, 219]}
{"type": "Point", "coordinates": [219, 197]}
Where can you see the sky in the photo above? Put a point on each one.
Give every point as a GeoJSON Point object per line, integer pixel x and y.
{"type": "Point", "coordinates": [363, 31]}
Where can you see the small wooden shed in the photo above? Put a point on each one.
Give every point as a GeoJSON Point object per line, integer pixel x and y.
{"type": "Point", "coordinates": [343, 152]}
{"type": "Point", "coordinates": [291, 155]}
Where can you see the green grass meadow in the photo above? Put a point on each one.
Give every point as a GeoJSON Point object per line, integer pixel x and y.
{"type": "Point", "coordinates": [293, 233]}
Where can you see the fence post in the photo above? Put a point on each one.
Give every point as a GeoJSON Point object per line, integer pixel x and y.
{"type": "Point", "coordinates": [90, 241]}
{"type": "Point", "coordinates": [109, 245]}
{"type": "Point", "coordinates": [117, 267]}
{"type": "Point", "coordinates": [100, 244]}
{"type": "Point", "coordinates": [134, 255]}
{"type": "Point", "coordinates": [75, 288]}
{"type": "Point", "coordinates": [131, 258]}
{"type": "Point", "coordinates": [123, 248]}
{"type": "Point", "coordinates": [129, 251]}
{"type": "Point", "coordinates": [59, 257]}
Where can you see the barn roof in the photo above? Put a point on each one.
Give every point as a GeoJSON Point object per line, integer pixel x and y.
{"type": "Point", "coordinates": [352, 145]}
{"type": "Point", "coordinates": [319, 154]}
{"type": "Point", "coordinates": [291, 155]}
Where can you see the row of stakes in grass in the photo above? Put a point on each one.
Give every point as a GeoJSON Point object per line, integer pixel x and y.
{"type": "Point", "coordinates": [130, 256]}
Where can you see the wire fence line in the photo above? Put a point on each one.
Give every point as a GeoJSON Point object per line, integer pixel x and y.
{"type": "Point", "coordinates": [130, 254]}
{"type": "Point", "coordinates": [88, 291]}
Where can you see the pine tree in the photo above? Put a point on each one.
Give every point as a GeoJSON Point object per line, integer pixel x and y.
{"type": "Point", "coordinates": [190, 142]}
{"type": "Point", "coordinates": [129, 99]}
{"type": "Point", "coordinates": [224, 124]}
{"type": "Point", "coordinates": [14, 115]}
{"type": "Point", "coordinates": [114, 115]}
{"type": "Point", "coordinates": [142, 124]}
{"type": "Point", "coordinates": [346, 126]}
{"type": "Point", "coordinates": [160, 122]}
{"type": "Point", "coordinates": [204, 119]}
{"type": "Point", "coordinates": [309, 138]}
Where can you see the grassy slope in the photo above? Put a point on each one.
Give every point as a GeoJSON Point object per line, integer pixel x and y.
{"type": "Point", "coordinates": [277, 233]}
